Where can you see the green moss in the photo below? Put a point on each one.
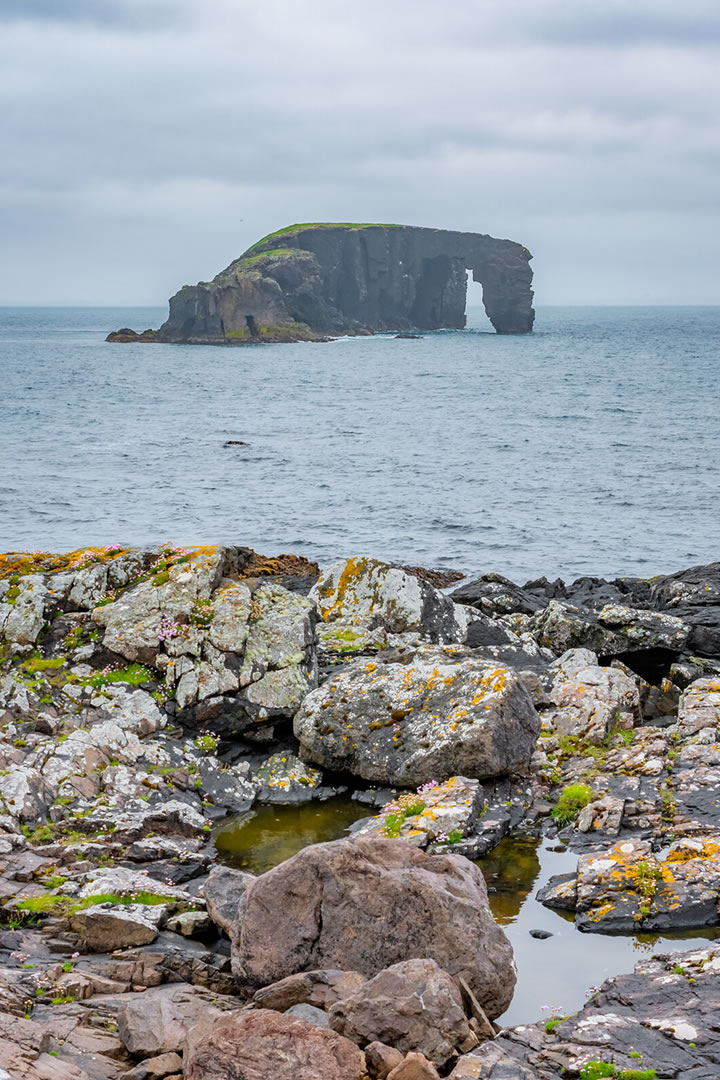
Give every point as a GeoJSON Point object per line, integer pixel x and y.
{"type": "Point", "coordinates": [272, 253]}
{"type": "Point", "coordinates": [552, 1024]}
{"type": "Point", "coordinates": [605, 1070]}
{"type": "Point", "coordinates": [289, 229]}
{"type": "Point", "coordinates": [161, 579]}
{"type": "Point", "coordinates": [36, 663]}
{"type": "Point", "coordinates": [572, 799]}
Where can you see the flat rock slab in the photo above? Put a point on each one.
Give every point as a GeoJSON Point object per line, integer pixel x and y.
{"type": "Point", "coordinates": [451, 810]}
{"type": "Point", "coordinates": [628, 888]}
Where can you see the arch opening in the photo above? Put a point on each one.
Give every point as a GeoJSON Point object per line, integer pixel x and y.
{"type": "Point", "coordinates": [475, 314]}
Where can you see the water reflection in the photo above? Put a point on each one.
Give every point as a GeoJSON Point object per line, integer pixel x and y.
{"type": "Point", "coordinates": [559, 971]}
{"type": "Point", "coordinates": [268, 835]}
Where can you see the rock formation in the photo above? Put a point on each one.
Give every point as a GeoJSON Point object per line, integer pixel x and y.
{"type": "Point", "coordinates": [307, 281]}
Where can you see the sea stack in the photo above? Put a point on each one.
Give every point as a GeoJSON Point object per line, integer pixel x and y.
{"type": "Point", "coordinates": [307, 282]}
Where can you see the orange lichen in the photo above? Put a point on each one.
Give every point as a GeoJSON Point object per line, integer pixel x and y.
{"type": "Point", "coordinates": [46, 562]}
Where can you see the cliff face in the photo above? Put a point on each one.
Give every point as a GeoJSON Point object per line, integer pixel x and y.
{"type": "Point", "coordinates": [312, 280]}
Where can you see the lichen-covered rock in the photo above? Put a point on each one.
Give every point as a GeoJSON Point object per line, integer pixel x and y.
{"type": "Point", "coordinates": [413, 1006]}
{"type": "Point", "coordinates": [362, 594]}
{"type": "Point", "coordinates": [328, 906]}
{"type": "Point", "coordinates": [592, 703]}
{"type": "Point", "coordinates": [438, 713]}
{"type": "Point", "coordinates": [284, 778]}
{"type": "Point", "coordinates": [446, 812]}
{"type": "Point", "coordinates": [107, 926]}
{"type": "Point", "coordinates": [700, 707]}
{"type": "Point", "coordinates": [265, 1045]}
{"type": "Point", "coordinates": [628, 887]}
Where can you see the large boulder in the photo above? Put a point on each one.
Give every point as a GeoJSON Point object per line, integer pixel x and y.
{"type": "Point", "coordinates": [413, 1006]}
{"type": "Point", "coordinates": [360, 595]}
{"type": "Point", "coordinates": [428, 716]}
{"type": "Point", "coordinates": [365, 904]}
{"type": "Point", "coordinates": [265, 1045]}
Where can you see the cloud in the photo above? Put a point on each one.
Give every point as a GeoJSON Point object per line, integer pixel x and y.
{"type": "Point", "coordinates": [194, 128]}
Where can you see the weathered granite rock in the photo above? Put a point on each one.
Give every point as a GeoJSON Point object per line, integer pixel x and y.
{"type": "Point", "coordinates": [413, 1006]}
{"type": "Point", "coordinates": [414, 1067]}
{"type": "Point", "coordinates": [612, 631]}
{"type": "Point", "coordinates": [381, 1060]}
{"type": "Point", "coordinates": [699, 707]}
{"type": "Point", "coordinates": [628, 887]}
{"type": "Point", "coordinates": [440, 712]}
{"type": "Point", "coordinates": [358, 595]}
{"type": "Point", "coordinates": [283, 778]}
{"type": "Point", "coordinates": [265, 1045]}
{"type": "Point", "coordinates": [157, 1020]}
{"type": "Point", "coordinates": [225, 892]}
{"type": "Point", "coordinates": [327, 907]}
{"type": "Point", "coordinates": [592, 703]}
{"type": "Point", "coordinates": [105, 927]}
{"type": "Point", "coordinates": [309, 280]}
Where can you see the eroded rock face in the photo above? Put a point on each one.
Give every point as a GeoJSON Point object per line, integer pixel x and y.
{"type": "Point", "coordinates": [311, 280]}
{"type": "Point", "coordinates": [413, 1006]}
{"type": "Point", "coordinates": [265, 1045]}
{"type": "Point", "coordinates": [442, 712]}
{"type": "Point", "coordinates": [329, 906]}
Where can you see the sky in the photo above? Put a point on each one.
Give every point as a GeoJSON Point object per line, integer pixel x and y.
{"type": "Point", "coordinates": [147, 143]}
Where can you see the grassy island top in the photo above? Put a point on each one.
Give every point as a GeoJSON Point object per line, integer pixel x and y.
{"type": "Point", "coordinates": [323, 225]}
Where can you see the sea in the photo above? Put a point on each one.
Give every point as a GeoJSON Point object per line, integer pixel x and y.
{"type": "Point", "coordinates": [587, 447]}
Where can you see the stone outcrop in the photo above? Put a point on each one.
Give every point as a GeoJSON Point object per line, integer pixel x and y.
{"type": "Point", "coordinates": [330, 906]}
{"type": "Point", "coordinates": [307, 281]}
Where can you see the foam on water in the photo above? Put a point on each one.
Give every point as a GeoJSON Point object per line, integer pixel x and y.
{"type": "Point", "coordinates": [586, 447]}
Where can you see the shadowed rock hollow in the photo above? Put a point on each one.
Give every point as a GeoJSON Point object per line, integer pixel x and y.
{"type": "Point", "coordinates": [307, 281]}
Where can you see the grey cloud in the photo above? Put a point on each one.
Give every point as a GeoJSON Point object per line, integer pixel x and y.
{"type": "Point", "coordinates": [133, 13]}
{"type": "Point", "coordinates": [135, 161]}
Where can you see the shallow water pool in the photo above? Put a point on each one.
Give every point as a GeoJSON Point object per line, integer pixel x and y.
{"type": "Point", "coordinates": [555, 974]}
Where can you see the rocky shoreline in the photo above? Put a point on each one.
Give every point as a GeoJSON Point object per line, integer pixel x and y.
{"type": "Point", "coordinates": [147, 694]}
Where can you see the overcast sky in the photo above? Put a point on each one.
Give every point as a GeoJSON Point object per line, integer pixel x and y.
{"type": "Point", "coordinates": [147, 143]}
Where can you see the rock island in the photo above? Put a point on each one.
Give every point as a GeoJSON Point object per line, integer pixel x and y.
{"type": "Point", "coordinates": [306, 282]}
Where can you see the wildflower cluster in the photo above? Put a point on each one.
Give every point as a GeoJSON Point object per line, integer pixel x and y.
{"type": "Point", "coordinates": [170, 628]}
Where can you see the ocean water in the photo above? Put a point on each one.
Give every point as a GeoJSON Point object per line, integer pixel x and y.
{"type": "Point", "coordinates": [589, 446]}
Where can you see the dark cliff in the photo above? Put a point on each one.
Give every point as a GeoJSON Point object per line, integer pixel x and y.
{"type": "Point", "coordinates": [313, 280]}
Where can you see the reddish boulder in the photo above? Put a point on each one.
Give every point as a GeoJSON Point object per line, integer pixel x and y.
{"type": "Point", "coordinates": [264, 1045]}
{"type": "Point", "coordinates": [366, 904]}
